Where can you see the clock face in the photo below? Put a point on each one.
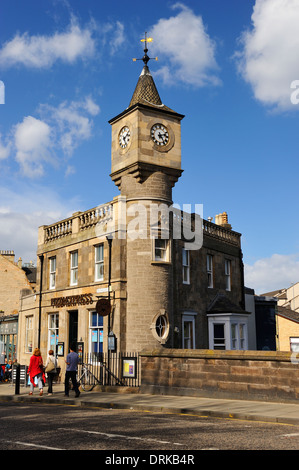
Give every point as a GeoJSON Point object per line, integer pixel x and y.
{"type": "Point", "coordinates": [160, 135]}
{"type": "Point", "coordinates": [124, 137]}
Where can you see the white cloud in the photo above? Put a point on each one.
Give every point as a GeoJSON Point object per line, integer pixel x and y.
{"type": "Point", "coordinates": [71, 122]}
{"type": "Point", "coordinates": [21, 213]}
{"type": "Point", "coordinates": [186, 47]}
{"type": "Point", "coordinates": [269, 274]}
{"type": "Point", "coordinates": [118, 37]}
{"type": "Point", "coordinates": [33, 142]}
{"type": "Point", "coordinates": [90, 106]}
{"type": "Point", "coordinates": [40, 142]}
{"type": "Point", "coordinates": [268, 60]}
{"type": "Point", "coordinates": [42, 51]}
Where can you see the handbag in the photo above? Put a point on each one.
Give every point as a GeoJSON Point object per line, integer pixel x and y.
{"type": "Point", "coordinates": [50, 367]}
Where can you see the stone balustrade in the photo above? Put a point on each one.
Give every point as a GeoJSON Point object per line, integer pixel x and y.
{"type": "Point", "coordinates": [59, 230]}
{"type": "Point", "coordinates": [78, 222]}
{"type": "Point", "coordinates": [91, 217]}
{"type": "Point", "coordinates": [221, 233]}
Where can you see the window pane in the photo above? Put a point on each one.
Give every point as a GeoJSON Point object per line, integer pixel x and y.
{"type": "Point", "coordinates": [160, 249]}
{"type": "Point", "coordinates": [219, 339]}
{"type": "Point", "coordinates": [74, 259]}
{"type": "Point", "coordinates": [99, 255]}
{"type": "Point", "coordinates": [161, 325]}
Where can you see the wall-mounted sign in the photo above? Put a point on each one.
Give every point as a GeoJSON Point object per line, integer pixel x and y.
{"type": "Point", "coordinates": [60, 349]}
{"type": "Point", "coordinates": [129, 367]}
{"type": "Point", "coordinates": [103, 307]}
{"type": "Point", "coordinates": [72, 300]}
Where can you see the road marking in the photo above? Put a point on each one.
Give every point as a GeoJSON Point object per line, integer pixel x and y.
{"type": "Point", "coordinates": [122, 436]}
{"type": "Point", "coordinates": [291, 435]}
{"type": "Point", "coordinates": [33, 445]}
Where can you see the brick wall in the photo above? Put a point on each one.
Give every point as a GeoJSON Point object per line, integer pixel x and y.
{"type": "Point", "coordinates": [255, 375]}
{"type": "Point", "coordinates": [286, 329]}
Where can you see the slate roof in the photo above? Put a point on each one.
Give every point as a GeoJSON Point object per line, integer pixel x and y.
{"type": "Point", "coordinates": [222, 304]}
{"type": "Point", "coordinates": [288, 314]}
{"type": "Point", "coordinates": [146, 92]}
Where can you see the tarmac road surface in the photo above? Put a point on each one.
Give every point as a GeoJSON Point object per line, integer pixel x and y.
{"type": "Point", "coordinates": [51, 427]}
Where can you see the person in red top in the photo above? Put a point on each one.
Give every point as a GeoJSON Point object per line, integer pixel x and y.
{"type": "Point", "coordinates": [36, 369]}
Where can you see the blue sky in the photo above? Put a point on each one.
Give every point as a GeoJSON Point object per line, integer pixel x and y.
{"type": "Point", "coordinates": [227, 66]}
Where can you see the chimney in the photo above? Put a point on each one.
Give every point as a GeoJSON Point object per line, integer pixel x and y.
{"type": "Point", "coordinates": [222, 219]}
{"type": "Point", "coordinates": [20, 263]}
{"type": "Point", "coordinates": [8, 254]}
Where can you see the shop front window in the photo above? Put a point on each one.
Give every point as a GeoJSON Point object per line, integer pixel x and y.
{"type": "Point", "coordinates": [53, 331]}
{"type": "Point", "coordinates": [95, 335]}
{"type": "Point", "coordinates": [29, 334]}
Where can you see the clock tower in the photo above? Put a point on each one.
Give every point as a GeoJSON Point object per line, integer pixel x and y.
{"type": "Point", "coordinates": [146, 164]}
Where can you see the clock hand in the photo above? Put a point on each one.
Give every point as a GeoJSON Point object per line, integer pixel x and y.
{"type": "Point", "coordinates": [162, 136]}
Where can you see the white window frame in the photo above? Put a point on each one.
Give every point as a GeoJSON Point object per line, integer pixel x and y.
{"type": "Point", "coordinates": [227, 272]}
{"type": "Point", "coordinates": [29, 333]}
{"type": "Point", "coordinates": [210, 271]}
{"type": "Point", "coordinates": [235, 331]}
{"type": "Point", "coordinates": [52, 272]}
{"type": "Point", "coordinates": [99, 332]}
{"type": "Point", "coordinates": [74, 268]}
{"type": "Point", "coordinates": [186, 266]}
{"type": "Point", "coordinates": [188, 320]}
{"type": "Point", "coordinates": [99, 262]}
{"type": "Point", "coordinates": [294, 344]}
{"type": "Point", "coordinates": [162, 245]}
{"type": "Point", "coordinates": [53, 329]}
{"type": "Point", "coordinates": [222, 345]}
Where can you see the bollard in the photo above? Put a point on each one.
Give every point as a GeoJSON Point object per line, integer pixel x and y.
{"type": "Point", "coordinates": [18, 374]}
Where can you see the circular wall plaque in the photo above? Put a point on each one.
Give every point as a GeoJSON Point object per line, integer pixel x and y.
{"type": "Point", "coordinates": [103, 307]}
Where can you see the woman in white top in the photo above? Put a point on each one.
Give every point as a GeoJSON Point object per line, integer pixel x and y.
{"type": "Point", "coordinates": [51, 373]}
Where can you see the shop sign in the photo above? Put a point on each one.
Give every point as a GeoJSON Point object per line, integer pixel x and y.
{"type": "Point", "coordinates": [72, 300]}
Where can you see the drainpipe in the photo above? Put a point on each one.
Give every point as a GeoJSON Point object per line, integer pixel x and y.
{"type": "Point", "coordinates": [41, 258]}
{"type": "Point", "coordinates": [242, 280]}
{"type": "Point", "coordinates": [109, 240]}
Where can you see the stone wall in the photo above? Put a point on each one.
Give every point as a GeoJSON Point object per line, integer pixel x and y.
{"type": "Point", "coordinates": [248, 375]}
{"type": "Point", "coordinates": [12, 281]}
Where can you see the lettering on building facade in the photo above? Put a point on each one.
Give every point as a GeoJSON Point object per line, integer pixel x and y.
{"type": "Point", "coordinates": [72, 300]}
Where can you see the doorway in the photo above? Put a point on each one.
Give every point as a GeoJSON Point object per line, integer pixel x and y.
{"type": "Point", "coordinates": [73, 327]}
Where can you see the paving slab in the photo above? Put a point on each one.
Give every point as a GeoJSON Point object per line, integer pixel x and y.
{"type": "Point", "coordinates": [284, 413]}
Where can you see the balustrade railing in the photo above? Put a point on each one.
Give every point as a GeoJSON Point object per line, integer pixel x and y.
{"type": "Point", "coordinates": [221, 233]}
{"type": "Point", "coordinates": [58, 230]}
{"type": "Point", "coordinates": [93, 216]}
{"type": "Point", "coordinates": [87, 220]}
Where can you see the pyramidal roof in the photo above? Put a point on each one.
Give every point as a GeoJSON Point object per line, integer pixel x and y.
{"type": "Point", "coordinates": [146, 92]}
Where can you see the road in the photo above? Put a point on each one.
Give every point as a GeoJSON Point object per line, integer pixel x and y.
{"type": "Point", "coordinates": [60, 427]}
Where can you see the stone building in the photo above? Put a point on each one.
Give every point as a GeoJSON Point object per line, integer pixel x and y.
{"type": "Point", "coordinates": [165, 288]}
{"type": "Point", "coordinates": [15, 281]}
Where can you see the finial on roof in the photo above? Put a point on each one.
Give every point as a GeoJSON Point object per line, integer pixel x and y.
{"type": "Point", "coordinates": [146, 58]}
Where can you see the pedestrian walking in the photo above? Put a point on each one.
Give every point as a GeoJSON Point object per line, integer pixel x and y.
{"type": "Point", "coordinates": [51, 370]}
{"type": "Point", "coordinates": [72, 360]}
{"type": "Point", "coordinates": [36, 371]}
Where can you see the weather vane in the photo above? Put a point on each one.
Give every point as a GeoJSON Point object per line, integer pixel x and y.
{"type": "Point", "coordinates": [146, 58]}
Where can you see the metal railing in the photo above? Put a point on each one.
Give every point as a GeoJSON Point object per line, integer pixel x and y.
{"type": "Point", "coordinates": [123, 369]}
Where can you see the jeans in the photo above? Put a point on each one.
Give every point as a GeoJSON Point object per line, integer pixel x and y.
{"type": "Point", "coordinates": [50, 381]}
{"type": "Point", "coordinates": [39, 382]}
{"type": "Point", "coordinates": [71, 374]}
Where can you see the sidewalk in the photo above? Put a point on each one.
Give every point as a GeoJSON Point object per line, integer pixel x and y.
{"type": "Point", "coordinates": [283, 413]}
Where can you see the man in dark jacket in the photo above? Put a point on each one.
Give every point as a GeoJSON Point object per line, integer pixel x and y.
{"type": "Point", "coordinates": [72, 360]}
